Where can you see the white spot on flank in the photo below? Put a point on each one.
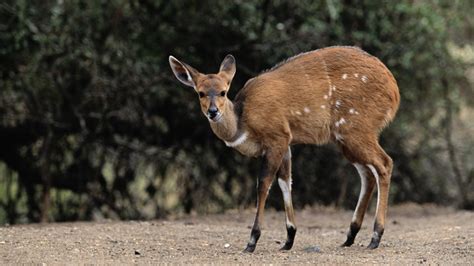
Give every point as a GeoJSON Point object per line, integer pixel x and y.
{"type": "Point", "coordinates": [338, 137]}
{"type": "Point", "coordinates": [298, 112]}
{"type": "Point", "coordinates": [325, 97]}
{"type": "Point", "coordinates": [338, 103]}
{"type": "Point", "coordinates": [353, 111]}
{"type": "Point", "coordinates": [241, 139]}
{"type": "Point", "coordinates": [306, 110]}
{"type": "Point", "coordinates": [323, 106]}
{"type": "Point", "coordinates": [344, 76]}
{"type": "Point", "coordinates": [356, 75]}
{"type": "Point", "coordinates": [340, 122]}
{"type": "Point", "coordinates": [333, 87]}
{"type": "Point", "coordinates": [364, 79]}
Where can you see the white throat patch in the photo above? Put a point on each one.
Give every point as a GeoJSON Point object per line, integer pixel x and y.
{"type": "Point", "coordinates": [241, 139]}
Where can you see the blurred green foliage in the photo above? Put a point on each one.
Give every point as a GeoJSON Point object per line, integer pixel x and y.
{"type": "Point", "coordinates": [93, 123]}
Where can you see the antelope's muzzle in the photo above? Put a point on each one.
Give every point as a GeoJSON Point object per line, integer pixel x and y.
{"type": "Point", "coordinates": [212, 112]}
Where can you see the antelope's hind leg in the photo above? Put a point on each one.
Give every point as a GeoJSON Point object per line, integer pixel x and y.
{"type": "Point", "coordinates": [366, 189]}
{"type": "Point", "coordinates": [383, 173]}
{"type": "Point", "coordinates": [284, 181]}
{"type": "Point", "coordinates": [371, 161]}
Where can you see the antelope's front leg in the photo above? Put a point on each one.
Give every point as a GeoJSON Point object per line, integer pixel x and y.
{"type": "Point", "coordinates": [271, 163]}
{"type": "Point", "coordinates": [284, 180]}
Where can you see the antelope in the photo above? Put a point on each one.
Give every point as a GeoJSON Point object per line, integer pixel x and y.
{"type": "Point", "coordinates": [335, 94]}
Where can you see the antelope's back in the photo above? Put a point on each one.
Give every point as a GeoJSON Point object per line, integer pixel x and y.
{"type": "Point", "coordinates": [309, 93]}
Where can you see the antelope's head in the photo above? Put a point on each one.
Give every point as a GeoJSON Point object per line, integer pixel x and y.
{"type": "Point", "coordinates": [211, 88]}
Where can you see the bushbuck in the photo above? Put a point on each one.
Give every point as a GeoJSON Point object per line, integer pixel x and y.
{"type": "Point", "coordinates": [338, 94]}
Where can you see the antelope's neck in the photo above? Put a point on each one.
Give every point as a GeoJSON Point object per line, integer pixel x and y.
{"type": "Point", "coordinates": [227, 128]}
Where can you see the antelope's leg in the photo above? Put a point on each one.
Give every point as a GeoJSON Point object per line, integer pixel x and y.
{"type": "Point", "coordinates": [382, 173]}
{"type": "Point", "coordinates": [366, 190]}
{"type": "Point", "coordinates": [371, 161]}
{"type": "Point", "coordinates": [284, 181]}
{"type": "Point", "coordinates": [271, 163]}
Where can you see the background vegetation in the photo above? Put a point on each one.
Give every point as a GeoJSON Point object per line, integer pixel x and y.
{"type": "Point", "coordinates": [94, 125]}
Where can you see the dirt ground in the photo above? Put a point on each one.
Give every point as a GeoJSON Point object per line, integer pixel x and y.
{"type": "Point", "coordinates": [413, 235]}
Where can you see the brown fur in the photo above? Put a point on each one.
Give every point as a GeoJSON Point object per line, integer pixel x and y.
{"type": "Point", "coordinates": [303, 82]}
{"type": "Point", "coordinates": [339, 94]}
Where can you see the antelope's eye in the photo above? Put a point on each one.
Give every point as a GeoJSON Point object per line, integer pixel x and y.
{"type": "Point", "coordinates": [201, 94]}
{"type": "Point", "coordinates": [222, 93]}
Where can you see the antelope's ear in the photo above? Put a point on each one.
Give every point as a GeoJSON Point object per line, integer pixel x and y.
{"type": "Point", "coordinates": [183, 72]}
{"type": "Point", "coordinates": [228, 67]}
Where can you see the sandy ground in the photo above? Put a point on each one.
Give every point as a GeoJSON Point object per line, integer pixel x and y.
{"type": "Point", "coordinates": [414, 235]}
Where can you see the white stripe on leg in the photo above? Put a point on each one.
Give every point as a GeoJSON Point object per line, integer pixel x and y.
{"type": "Point", "coordinates": [376, 175]}
{"type": "Point", "coordinates": [363, 187]}
{"type": "Point", "coordinates": [285, 187]}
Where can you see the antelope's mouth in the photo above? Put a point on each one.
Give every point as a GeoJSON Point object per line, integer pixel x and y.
{"type": "Point", "coordinates": [216, 118]}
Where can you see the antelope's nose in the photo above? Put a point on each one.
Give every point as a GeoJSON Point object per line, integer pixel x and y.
{"type": "Point", "coordinates": [212, 112]}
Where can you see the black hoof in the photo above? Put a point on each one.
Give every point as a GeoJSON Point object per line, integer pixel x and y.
{"type": "Point", "coordinates": [353, 230]}
{"type": "Point", "coordinates": [250, 248]}
{"type": "Point", "coordinates": [348, 243]}
{"type": "Point", "coordinates": [287, 246]}
{"type": "Point", "coordinates": [374, 243]}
